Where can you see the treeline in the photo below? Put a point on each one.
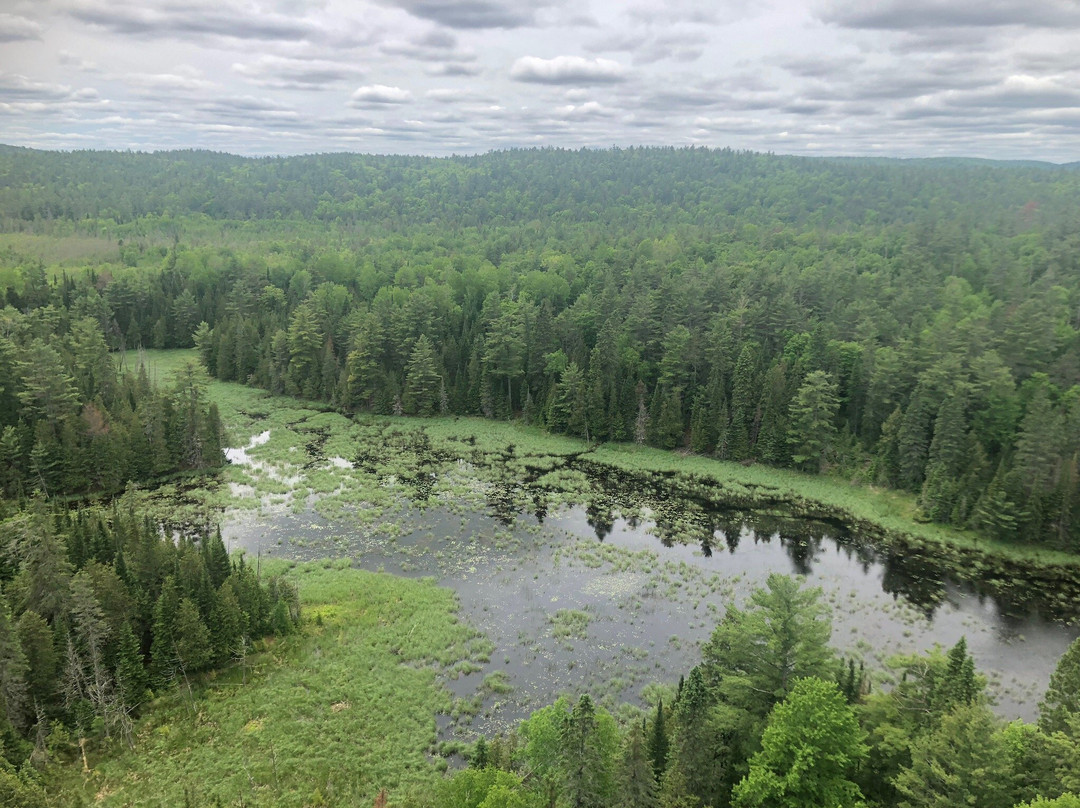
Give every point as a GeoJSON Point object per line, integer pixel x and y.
{"type": "Point", "coordinates": [771, 718]}
{"type": "Point", "coordinates": [73, 422]}
{"type": "Point", "coordinates": [623, 190]}
{"type": "Point", "coordinates": [101, 609]}
{"type": "Point", "coordinates": [907, 324]}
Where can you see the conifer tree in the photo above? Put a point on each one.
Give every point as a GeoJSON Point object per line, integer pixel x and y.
{"type": "Point", "coordinates": [813, 421]}
{"type": "Point", "coordinates": [422, 380]}
{"type": "Point", "coordinates": [658, 742]}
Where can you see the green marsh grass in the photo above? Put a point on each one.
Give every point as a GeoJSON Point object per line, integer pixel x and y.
{"type": "Point", "coordinates": [335, 714]}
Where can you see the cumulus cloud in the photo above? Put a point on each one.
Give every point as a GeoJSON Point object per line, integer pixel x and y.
{"type": "Point", "coordinates": [379, 94]}
{"type": "Point", "coordinates": [567, 70]}
{"type": "Point", "coordinates": [14, 28]}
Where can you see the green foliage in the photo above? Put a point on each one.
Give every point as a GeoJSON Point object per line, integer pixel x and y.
{"type": "Point", "coordinates": [961, 762]}
{"type": "Point", "coordinates": [813, 415]}
{"type": "Point", "coordinates": [756, 655]}
{"type": "Point", "coordinates": [1059, 710]}
{"type": "Point", "coordinates": [811, 746]}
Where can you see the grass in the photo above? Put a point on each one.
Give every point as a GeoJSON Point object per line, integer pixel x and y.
{"type": "Point", "coordinates": [566, 623]}
{"type": "Point", "coordinates": [326, 718]}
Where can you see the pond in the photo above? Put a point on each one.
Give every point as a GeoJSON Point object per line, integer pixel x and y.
{"type": "Point", "coordinates": [581, 598]}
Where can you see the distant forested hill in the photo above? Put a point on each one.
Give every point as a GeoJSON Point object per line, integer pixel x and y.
{"type": "Point", "coordinates": [914, 324]}
{"type": "Point", "coordinates": [629, 187]}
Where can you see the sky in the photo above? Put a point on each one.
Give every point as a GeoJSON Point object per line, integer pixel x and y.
{"type": "Point", "coordinates": [902, 78]}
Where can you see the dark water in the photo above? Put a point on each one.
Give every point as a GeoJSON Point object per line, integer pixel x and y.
{"type": "Point", "coordinates": [648, 603]}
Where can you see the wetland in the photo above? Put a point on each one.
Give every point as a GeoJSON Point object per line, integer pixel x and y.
{"type": "Point", "coordinates": [587, 577]}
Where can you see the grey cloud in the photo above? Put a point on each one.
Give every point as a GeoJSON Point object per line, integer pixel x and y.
{"type": "Point", "coordinates": [820, 66]}
{"type": "Point", "coordinates": [691, 11]}
{"type": "Point", "coordinates": [287, 73]}
{"type": "Point", "coordinates": [14, 28]}
{"type": "Point", "coordinates": [436, 46]}
{"type": "Point", "coordinates": [675, 100]}
{"type": "Point", "coordinates": [454, 69]}
{"type": "Point", "coordinates": [1022, 92]}
{"type": "Point", "coordinates": [915, 14]}
{"type": "Point", "coordinates": [16, 86]}
{"type": "Point", "coordinates": [172, 19]}
{"type": "Point", "coordinates": [73, 60]}
{"type": "Point", "coordinates": [567, 70]}
{"type": "Point", "coordinates": [471, 14]}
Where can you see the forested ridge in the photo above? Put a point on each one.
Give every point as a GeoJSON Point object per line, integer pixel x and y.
{"type": "Point", "coordinates": [907, 324]}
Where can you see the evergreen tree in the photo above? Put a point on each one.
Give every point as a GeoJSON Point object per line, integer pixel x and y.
{"type": "Point", "coordinates": [813, 416]}
{"type": "Point", "coordinates": [658, 742]}
{"type": "Point", "coordinates": [744, 398]}
{"type": "Point", "coordinates": [422, 380]}
{"type": "Point", "coordinates": [962, 762]}
{"type": "Point", "coordinates": [638, 786]}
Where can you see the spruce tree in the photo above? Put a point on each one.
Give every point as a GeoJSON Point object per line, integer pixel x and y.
{"type": "Point", "coordinates": [658, 742]}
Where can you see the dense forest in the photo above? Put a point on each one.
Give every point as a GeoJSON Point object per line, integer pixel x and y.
{"type": "Point", "coordinates": [907, 324]}
{"type": "Point", "coordinates": [102, 605]}
{"type": "Point", "coordinates": [910, 324]}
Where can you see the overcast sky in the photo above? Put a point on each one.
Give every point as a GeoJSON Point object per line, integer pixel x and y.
{"type": "Point", "coordinates": [985, 78]}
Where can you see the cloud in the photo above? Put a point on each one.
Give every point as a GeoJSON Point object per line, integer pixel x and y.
{"type": "Point", "coordinates": [379, 94]}
{"type": "Point", "coordinates": [454, 69]}
{"type": "Point", "coordinates": [435, 46]}
{"type": "Point", "coordinates": [590, 109]}
{"type": "Point", "coordinates": [14, 28]}
{"type": "Point", "coordinates": [648, 48]}
{"type": "Point", "coordinates": [567, 70]}
{"type": "Point", "coordinates": [181, 81]}
{"type": "Point", "coordinates": [73, 60]}
{"type": "Point", "coordinates": [202, 18]}
{"type": "Point", "coordinates": [286, 73]}
{"type": "Point", "coordinates": [18, 86]}
{"type": "Point", "coordinates": [248, 109]}
{"type": "Point", "coordinates": [900, 15]}
{"type": "Point", "coordinates": [471, 14]}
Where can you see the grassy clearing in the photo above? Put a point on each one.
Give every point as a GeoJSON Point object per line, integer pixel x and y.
{"type": "Point", "coordinates": [326, 718]}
